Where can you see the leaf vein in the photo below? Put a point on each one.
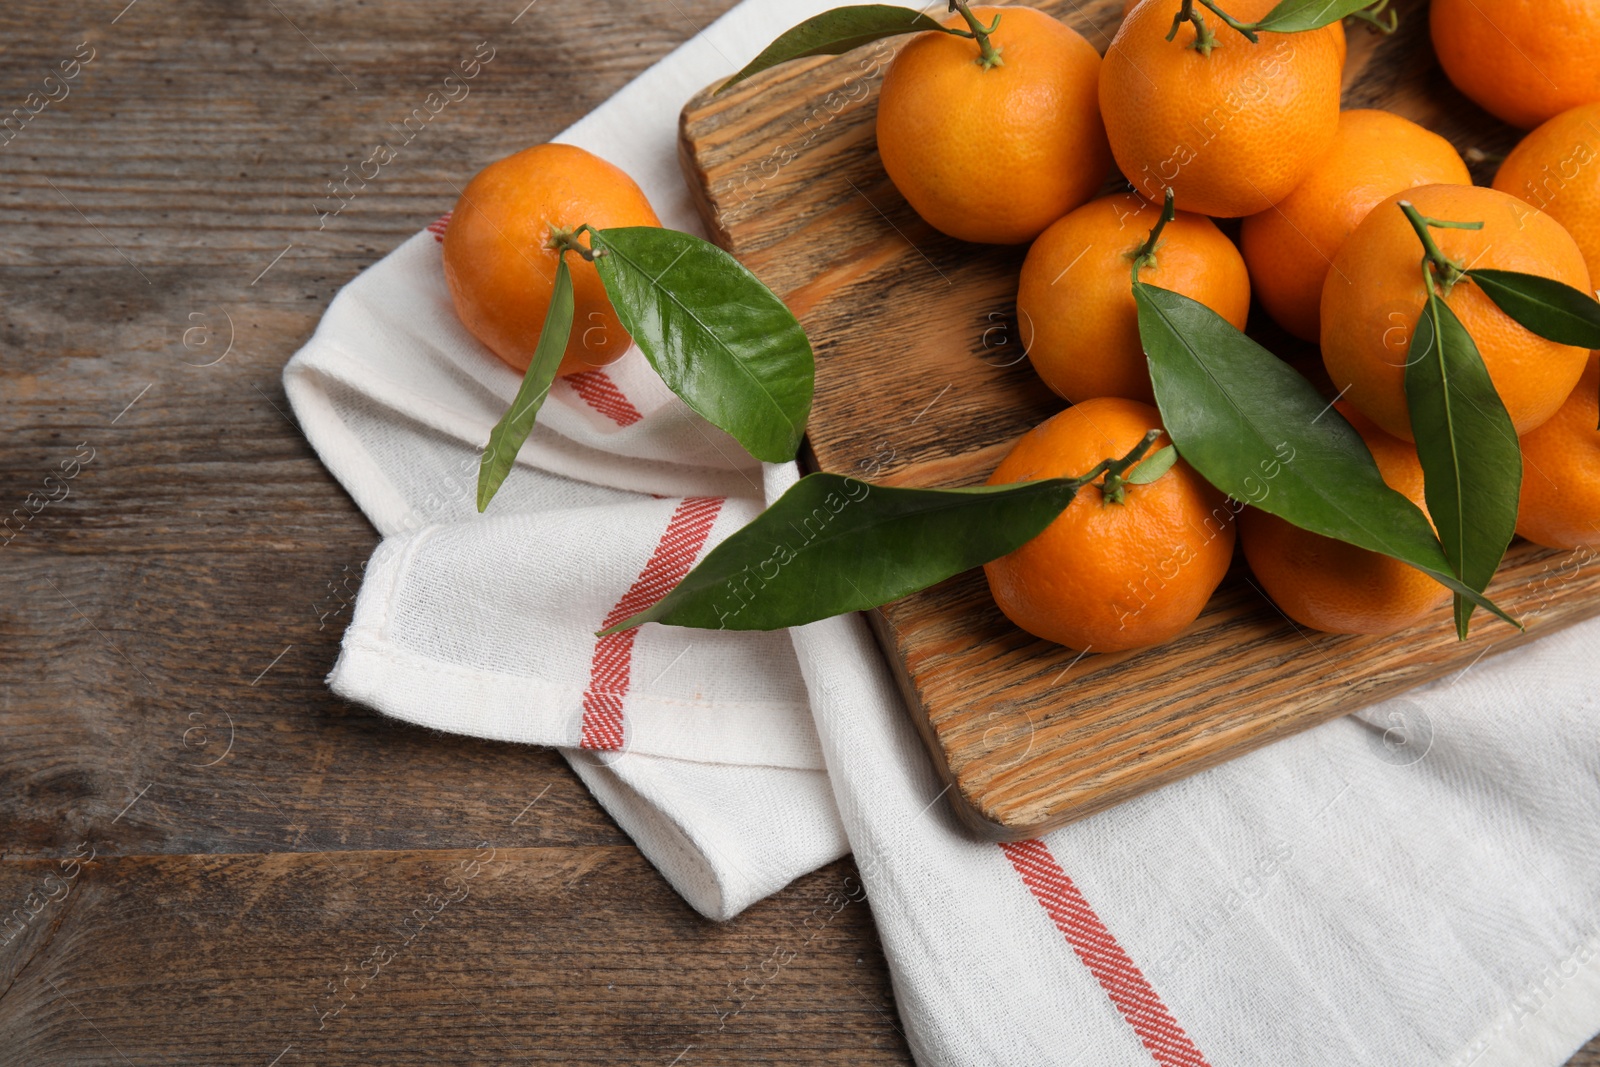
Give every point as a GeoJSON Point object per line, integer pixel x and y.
{"type": "Point", "coordinates": [686, 310]}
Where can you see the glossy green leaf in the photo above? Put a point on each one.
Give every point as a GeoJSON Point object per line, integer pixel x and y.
{"type": "Point", "coordinates": [835, 32]}
{"type": "Point", "coordinates": [1471, 462]}
{"type": "Point", "coordinates": [1549, 308]}
{"type": "Point", "coordinates": [1258, 431]}
{"type": "Point", "coordinates": [1152, 466]}
{"type": "Point", "coordinates": [719, 338]}
{"type": "Point", "coordinates": [833, 544]}
{"type": "Point", "coordinates": [1296, 16]}
{"type": "Point", "coordinates": [505, 440]}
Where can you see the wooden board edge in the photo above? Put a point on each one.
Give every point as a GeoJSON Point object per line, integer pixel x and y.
{"type": "Point", "coordinates": [698, 181]}
{"type": "Point", "coordinates": [974, 813]}
{"type": "Point", "coordinates": [964, 806]}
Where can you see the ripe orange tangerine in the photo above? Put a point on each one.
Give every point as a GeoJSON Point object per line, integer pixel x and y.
{"type": "Point", "coordinates": [1556, 168]}
{"type": "Point", "coordinates": [1560, 503]}
{"type": "Point", "coordinates": [1232, 132]}
{"type": "Point", "coordinates": [1110, 575]}
{"type": "Point", "coordinates": [501, 268]}
{"type": "Point", "coordinates": [1129, 5]}
{"type": "Point", "coordinates": [1290, 246]}
{"type": "Point", "coordinates": [995, 154]}
{"type": "Point", "coordinates": [1523, 61]}
{"type": "Point", "coordinates": [1333, 586]}
{"type": "Point", "coordinates": [1374, 294]}
{"type": "Point", "coordinates": [1079, 323]}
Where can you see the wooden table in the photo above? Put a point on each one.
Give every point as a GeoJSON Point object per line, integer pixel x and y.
{"type": "Point", "coordinates": [169, 615]}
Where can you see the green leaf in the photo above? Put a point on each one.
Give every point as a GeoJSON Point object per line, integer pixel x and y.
{"type": "Point", "coordinates": [833, 544]}
{"type": "Point", "coordinates": [835, 32]}
{"type": "Point", "coordinates": [1296, 16]}
{"type": "Point", "coordinates": [719, 338]}
{"type": "Point", "coordinates": [1258, 431]}
{"type": "Point", "coordinates": [1471, 462]}
{"type": "Point", "coordinates": [1551, 309]}
{"type": "Point", "coordinates": [505, 440]}
{"type": "Point", "coordinates": [1152, 467]}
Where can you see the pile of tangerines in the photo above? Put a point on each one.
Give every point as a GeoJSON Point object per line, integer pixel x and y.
{"type": "Point", "coordinates": [1010, 145]}
{"type": "Point", "coordinates": [1003, 129]}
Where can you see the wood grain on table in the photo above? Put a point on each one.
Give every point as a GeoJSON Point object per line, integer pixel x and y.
{"type": "Point", "coordinates": [200, 569]}
{"type": "Point", "coordinates": [167, 623]}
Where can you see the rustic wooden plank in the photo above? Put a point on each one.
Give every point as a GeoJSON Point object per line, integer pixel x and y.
{"type": "Point", "coordinates": [921, 381]}
{"type": "Point", "coordinates": [481, 955]}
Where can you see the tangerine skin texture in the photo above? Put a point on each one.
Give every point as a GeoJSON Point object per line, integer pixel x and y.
{"type": "Point", "coordinates": [1523, 61]}
{"type": "Point", "coordinates": [1336, 587]}
{"type": "Point", "coordinates": [1107, 577]}
{"type": "Point", "coordinates": [1374, 294]}
{"type": "Point", "coordinates": [994, 156]}
{"type": "Point", "coordinates": [1289, 246]}
{"type": "Point", "coordinates": [1233, 132]}
{"type": "Point", "coordinates": [1560, 502]}
{"type": "Point", "coordinates": [1556, 168]}
{"type": "Point", "coordinates": [1075, 300]}
{"type": "Point", "coordinates": [501, 274]}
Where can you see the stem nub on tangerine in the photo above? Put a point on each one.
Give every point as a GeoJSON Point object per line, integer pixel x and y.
{"type": "Point", "coordinates": [1145, 254]}
{"type": "Point", "coordinates": [1113, 488]}
{"type": "Point", "coordinates": [1436, 266]}
{"type": "Point", "coordinates": [989, 53]}
{"type": "Point", "coordinates": [567, 241]}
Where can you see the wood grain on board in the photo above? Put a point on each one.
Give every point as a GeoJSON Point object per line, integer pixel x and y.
{"type": "Point", "coordinates": [921, 381]}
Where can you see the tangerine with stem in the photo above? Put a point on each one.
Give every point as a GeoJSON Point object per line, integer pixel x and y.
{"type": "Point", "coordinates": [1075, 307]}
{"type": "Point", "coordinates": [1230, 124]}
{"type": "Point", "coordinates": [993, 136]}
{"type": "Point", "coordinates": [1375, 291]}
{"type": "Point", "coordinates": [508, 231]}
{"type": "Point", "coordinates": [1125, 565]}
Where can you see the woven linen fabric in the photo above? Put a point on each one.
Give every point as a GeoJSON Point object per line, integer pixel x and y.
{"type": "Point", "coordinates": [698, 744]}
{"type": "Point", "coordinates": [1415, 885]}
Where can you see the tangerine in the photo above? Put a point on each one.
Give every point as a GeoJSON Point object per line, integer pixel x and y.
{"type": "Point", "coordinates": [1129, 5]}
{"type": "Point", "coordinates": [1560, 503]}
{"type": "Point", "coordinates": [1110, 574]}
{"type": "Point", "coordinates": [1290, 246]}
{"type": "Point", "coordinates": [1374, 295]}
{"type": "Point", "coordinates": [1075, 305]}
{"type": "Point", "coordinates": [1333, 586]}
{"type": "Point", "coordinates": [1523, 61]}
{"type": "Point", "coordinates": [994, 154]}
{"type": "Point", "coordinates": [500, 264]}
{"type": "Point", "coordinates": [1231, 130]}
{"type": "Point", "coordinates": [1556, 168]}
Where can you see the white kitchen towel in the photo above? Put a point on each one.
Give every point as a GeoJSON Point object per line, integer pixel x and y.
{"type": "Point", "coordinates": [700, 745]}
{"type": "Point", "coordinates": [1416, 885]}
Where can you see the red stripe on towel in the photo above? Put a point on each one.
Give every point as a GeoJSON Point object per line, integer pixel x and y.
{"type": "Point", "coordinates": [609, 671]}
{"type": "Point", "coordinates": [1117, 974]}
{"type": "Point", "coordinates": [596, 389]}
{"type": "Point", "coordinates": [437, 226]}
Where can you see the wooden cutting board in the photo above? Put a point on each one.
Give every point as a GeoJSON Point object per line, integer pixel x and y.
{"type": "Point", "coordinates": [920, 381]}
